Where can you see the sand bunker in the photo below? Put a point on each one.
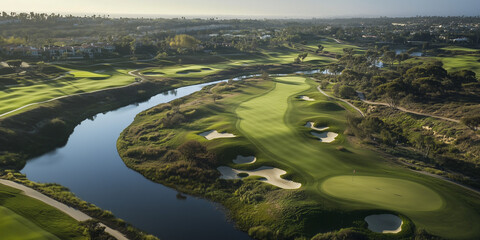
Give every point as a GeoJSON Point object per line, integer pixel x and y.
{"type": "Point", "coordinates": [312, 126]}
{"type": "Point", "coordinates": [244, 160]}
{"type": "Point", "coordinates": [305, 98]}
{"type": "Point", "coordinates": [325, 136]}
{"type": "Point", "coordinates": [384, 223]}
{"type": "Point", "coordinates": [271, 175]}
{"type": "Point", "coordinates": [210, 135]}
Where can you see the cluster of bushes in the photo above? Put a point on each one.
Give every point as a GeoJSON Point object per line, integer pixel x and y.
{"type": "Point", "coordinates": [172, 119]}
{"type": "Point", "coordinates": [400, 134]}
{"type": "Point", "coordinates": [252, 192]}
{"type": "Point", "coordinates": [421, 82]}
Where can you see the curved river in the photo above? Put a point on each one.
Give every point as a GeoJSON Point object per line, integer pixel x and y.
{"type": "Point", "coordinates": [90, 167]}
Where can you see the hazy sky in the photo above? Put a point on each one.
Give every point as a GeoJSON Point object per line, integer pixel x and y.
{"type": "Point", "coordinates": [278, 8]}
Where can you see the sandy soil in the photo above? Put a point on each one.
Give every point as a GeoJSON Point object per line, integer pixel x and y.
{"type": "Point", "coordinates": [271, 175]}
{"type": "Point", "coordinates": [244, 160]}
{"type": "Point", "coordinates": [305, 98]}
{"type": "Point", "coordinates": [384, 223]}
{"type": "Point", "coordinates": [210, 135]}
{"type": "Point", "coordinates": [312, 126]}
{"type": "Point", "coordinates": [74, 213]}
{"type": "Point", "coordinates": [327, 137]}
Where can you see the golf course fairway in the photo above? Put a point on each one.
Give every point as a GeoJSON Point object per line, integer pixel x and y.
{"type": "Point", "coordinates": [383, 192]}
{"type": "Point", "coordinates": [15, 226]}
{"type": "Point", "coordinates": [331, 185]}
{"type": "Point", "coordinates": [274, 123]}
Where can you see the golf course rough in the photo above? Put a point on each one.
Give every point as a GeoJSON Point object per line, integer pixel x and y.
{"type": "Point", "coordinates": [271, 122]}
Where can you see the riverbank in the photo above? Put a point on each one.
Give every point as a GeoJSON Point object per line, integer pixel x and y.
{"type": "Point", "coordinates": [74, 213]}
{"type": "Point", "coordinates": [47, 126]}
{"type": "Point", "coordinates": [267, 119]}
{"type": "Point", "coordinates": [62, 199]}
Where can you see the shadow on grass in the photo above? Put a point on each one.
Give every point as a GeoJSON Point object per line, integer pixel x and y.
{"type": "Point", "coordinates": [286, 82]}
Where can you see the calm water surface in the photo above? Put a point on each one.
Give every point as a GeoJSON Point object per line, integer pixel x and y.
{"type": "Point", "coordinates": [90, 166]}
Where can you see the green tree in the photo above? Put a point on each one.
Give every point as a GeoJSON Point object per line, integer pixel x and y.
{"type": "Point", "coordinates": [95, 231]}
{"type": "Point", "coordinates": [302, 56]}
{"type": "Point", "coordinates": [348, 51]}
{"type": "Point", "coordinates": [389, 57]}
{"type": "Point", "coordinates": [346, 91]}
{"type": "Point", "coordinates": [15, 65]}
{"type": "Point", "coordinates": [473, 122]}
{"type": "Point", "coordinates": [184, 41]}
{"type": "Point", "coordinates": [402, 57]}
{"type": "Point", "coordinates": [191, 149]}
{"type": "Point", "coordinates": [320, 48]}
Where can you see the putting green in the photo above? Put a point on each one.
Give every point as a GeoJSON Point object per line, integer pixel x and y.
{"type": "Point", "coordinates": [384, 192]}
{"type": "Point", "coordinates": [14, 226]}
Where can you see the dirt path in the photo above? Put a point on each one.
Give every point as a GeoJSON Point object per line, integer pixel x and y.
{"type": "Point", "coordinates": [411, 111]}
{"type": "Point", "coordinates": [343, 100]}
{"type": "Point", "coordinates": [408, 111]}
{"type": "Point", "coordinates": [134, 73]}
{"type": "Point", "coordinates": [386, 104]}
{"type": "Point", "coordinates": [72, 212]}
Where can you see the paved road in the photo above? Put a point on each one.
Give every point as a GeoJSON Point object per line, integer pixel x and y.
{"type": "Point", "coordinates": [72, 212]}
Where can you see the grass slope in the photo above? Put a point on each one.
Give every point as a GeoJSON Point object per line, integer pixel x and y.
{"type": "Point", "coordinates": [77, 81]}
{"type": "Point", "coordinates": [273, 122]}
{"type": "Point", "coordinates": [14, 226]}
{"type": "Point", "coordinates": [268, 119]}
{"type": "Point", "coordinates": [22, 217]}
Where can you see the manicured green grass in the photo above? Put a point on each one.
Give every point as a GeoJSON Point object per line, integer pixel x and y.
{"type": "Point", "coordinates": [459, 58]}
{"type": "Point", "coordinates": [186, 70]}
{"type": "Point", "coordinates": [332, 46]}
{"type": "Point", "coordinates": [80, 82]}
{"type": "Point", "coordinates": [384, 192]}
{"type": "Point", "coordinates": [272, 56]}
{"type": "Point", "coordinates": [268, 119]}
{"type": "Point", "coordinates": [22, 217]}
{"type": "Point", "coordinates": [458, 48]}
{"type": "Point", "coordinates": [87, 74]}
{"type": "Point", "coordinates": [274, 123]}
{"type": "Point", "coordinates": [14, 226]}
{"type": "Point", "coordinates": [461, 62]}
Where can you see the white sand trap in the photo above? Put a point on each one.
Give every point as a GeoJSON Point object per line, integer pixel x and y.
{"type": "Point", "coordinates": [305, 98]}
{"type": "Point", "coordinates": [327, 137]}
{"type": "Point", "coordinates": [312, 126]}
{"type": "Point", "coordinates": [210, 135]}
{"type": "Point", "coordinates": [271, 175]}
{"type": "Point", "coordinates": [384, 223]}
{"type": "Point", "coordinates": [244, 160]}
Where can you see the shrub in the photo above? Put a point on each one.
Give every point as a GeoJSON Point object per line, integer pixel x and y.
{"type": "Point", "coordinates": [191, 149]}
{"type": "Point", "coordinates": [342, 234]}
{"type": "Point", "coordinates": [261, 233]}
{"type": "Point", "coordinates": [347, 92]}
